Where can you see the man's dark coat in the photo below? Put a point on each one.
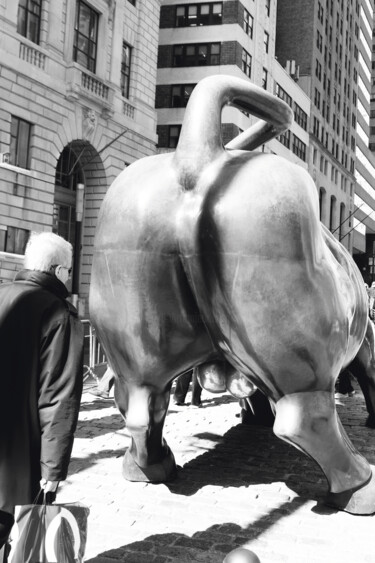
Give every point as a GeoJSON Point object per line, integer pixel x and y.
{"type": "Point", "coordinates": [41, 346]}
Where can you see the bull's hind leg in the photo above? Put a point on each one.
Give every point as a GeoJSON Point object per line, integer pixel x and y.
{"type": "Point", "coordinates": [309, 421]}
{"type": "Point", "coordinates": [363, 368]}
{"type": "Point", "coordinates": [144, 408]}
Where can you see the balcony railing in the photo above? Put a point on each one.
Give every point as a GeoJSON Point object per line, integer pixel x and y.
{"type": "Point", "coordinates": [94, 86]}
{"type": "Point", "coordinates": [32, 56]}
{"type": "Point", "coordinates": [128, 110]}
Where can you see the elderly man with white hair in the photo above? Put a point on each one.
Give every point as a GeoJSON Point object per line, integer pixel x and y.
{"type": "Point", "coordinates": [41, 346]}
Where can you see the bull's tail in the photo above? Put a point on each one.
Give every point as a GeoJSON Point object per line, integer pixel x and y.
{"type": "Point", "coordinates": [200, 140]}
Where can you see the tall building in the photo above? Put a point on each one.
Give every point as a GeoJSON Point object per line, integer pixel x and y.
{"type": "Point", "coordinates": [322, 40]}
{"type": "Point", "coordinates": [77, 93]}
{"type": "Point", "coordinates": [232, 37]}
{"type": "Point", "coordinates": [364, 220]}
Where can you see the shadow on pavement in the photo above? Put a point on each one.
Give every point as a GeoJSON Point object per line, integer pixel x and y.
{"type": "Point", "coordinates": [208, 546]}
{"type": "Point", "coordinates": [98, 427]}
{"type": "Point", "coordinates": [249, 455]}
{"type": "Point", "coordinates": [79, 464]}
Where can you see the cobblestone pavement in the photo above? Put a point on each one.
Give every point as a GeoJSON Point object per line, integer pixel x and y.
{"type": "Point", "coordinates": [237, 486]}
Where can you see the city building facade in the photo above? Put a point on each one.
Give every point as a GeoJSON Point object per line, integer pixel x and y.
{"type": "Point", "coordinates": [231, 37]}
{"type": "Point", "coordinates": [364, 219]}
{"type": "Point", "coordinates": [322, 39]}
{"type": "Point", "coordinates": [76, 106]}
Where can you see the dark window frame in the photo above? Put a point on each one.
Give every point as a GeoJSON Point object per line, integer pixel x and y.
{"type": "Point", "coordinates": [195, 60]}
{"type": "Point", "coordinates": [248, 23]}
{"type": "Point", "coordinates": [247, 63]}
{"type": "Point", "coordinates": [15, 240]}
{"type": "Point", "coordinates": [173, 139]}
{"type": "Point", "coordinates": [299, 148]}
{"type": "Point", "coordinates": [125, 70]}
{"type": "Point", "coordinates": [20, 148]}
{"type": "Point", "coordinates": [185, 20]}
{"type": "Point", "coordinates": [284, 138]}
{"type": "Point", "coordinates": [282, 94]}
{"type": "Point", "coordinates": [29, 14]}
{"type": "Point", "coordinates": [182, 96]}
{"type": "Point", "coordinates": [300, 116]}
{"type": "Point", "coordinates": [92, 44]}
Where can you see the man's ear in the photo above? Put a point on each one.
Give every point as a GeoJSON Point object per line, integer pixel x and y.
{"type": "Point", "coordinates": [58, 270]}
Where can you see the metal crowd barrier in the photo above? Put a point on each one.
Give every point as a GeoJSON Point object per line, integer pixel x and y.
{"type": "Point", "coordinates": [97, 361]}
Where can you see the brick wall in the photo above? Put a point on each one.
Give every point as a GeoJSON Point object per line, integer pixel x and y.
{"type": "Point", "coordinates": [294, 34]}
{"type": "Point", "coordinates": [232, 12]}
{"type": "Point", "coordinates": [167, 16]}
{"type": "Point", "coordinates": [229, 53]}
{"type": "Point", "coordinates": [165, 56]}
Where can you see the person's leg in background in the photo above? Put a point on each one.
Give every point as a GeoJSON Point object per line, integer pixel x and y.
{"type": "Point", "coordinates": [344, 387]}
{"type": "Point", "coordinates": [196, 391]}
{"type": "Point", "coordinates": [182, 387]}
{"type": "Point", "coordinates": [104, 385]}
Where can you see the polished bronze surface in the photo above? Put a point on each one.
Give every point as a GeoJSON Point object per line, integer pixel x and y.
{"type": "Point", "coordinates": [213, 254]}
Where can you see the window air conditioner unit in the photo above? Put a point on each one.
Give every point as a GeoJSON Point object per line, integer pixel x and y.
{"type": "Point", "coordinates": [5, 157]}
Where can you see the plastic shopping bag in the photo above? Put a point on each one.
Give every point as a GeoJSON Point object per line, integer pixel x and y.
{"type": "Point", "coordinates": [49, 533]}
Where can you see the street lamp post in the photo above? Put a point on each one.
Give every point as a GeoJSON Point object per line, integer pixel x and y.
{"type": "Point", "coordinates": [77, 243]}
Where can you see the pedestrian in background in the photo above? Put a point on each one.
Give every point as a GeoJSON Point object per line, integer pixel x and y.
{"type": "Point", "coordinates": [41, 350]}
{"type": "Point", "coordinates": [104, 385]}
{"type": "Point", "coordinates": [182, 388]}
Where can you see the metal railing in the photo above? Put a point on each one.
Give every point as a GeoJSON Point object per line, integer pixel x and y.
{"type": "Point", "coordinates": [96, 359]}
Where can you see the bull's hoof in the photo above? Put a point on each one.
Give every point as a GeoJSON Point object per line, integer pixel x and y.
{"type": "Point", "coordinates": [161, 472]}
{"type": "Point", "coordinates": [355, 501]}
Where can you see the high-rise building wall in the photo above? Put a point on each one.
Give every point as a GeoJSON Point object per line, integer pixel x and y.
{"type": "Point", "coordinates": [232, 37]}
{"type": "Point", "coordinates": [77, 92]}
{"type": "Point", "coordinates": [364, 219]}
{"type": "Point", "coordinates": [322, 40]}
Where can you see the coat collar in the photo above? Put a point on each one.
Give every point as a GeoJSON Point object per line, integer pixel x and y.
{"type": "Point", "coordinates": [45, 280]}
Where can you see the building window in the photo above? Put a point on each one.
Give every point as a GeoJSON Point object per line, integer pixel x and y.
{"type": "Point", "coordinates": [266, 41]}
{"type": "Point", "coordinates": [28, 20]}
{"type": "Point", "coordinates": [317, 98]}
{"type": "Point", "coordinates": [180, 94]}
{"type": "Point", "coordinates": [299, 148]}
{"type": "Point", "coordinates": [284, 139]}
{"type": "Point", "coordinates": [316, 126]}
{"type": "Point", "coordinates": [14, 239]}
{"type": "Point", "coordinates": [173, 135]}
{"type": "Point", "coordinates": [246, 63]}
{"type": "Point", "coordinates": [300, 116]}
{"type": "Point", "coordinates": [248, 23]}
{"type": "Point", "coordinates": [318, 70]}
{"type": "Point", "coordinates": [199, 14]}
{"type": "Point", "coordinates": [319, 41]}
{"type": "Point", "coordinates": [321, 202]}
{"type": "Point", "coordinates": [264, 78]}
{"type": "Point", "coordinates": [332, 210]}
{"type": "Point", "coordinates": [85, 36]}
{"type": "Point", "coordinates": [268, 7]}
{"type": "Point", "coordinates": [20, 142]}
{"type": "Point", "coordinates": [125, 69]}
{"type": "Point", "coordinates": [281, 93]}
{"type": "Point", "coordinates": [196, 54]}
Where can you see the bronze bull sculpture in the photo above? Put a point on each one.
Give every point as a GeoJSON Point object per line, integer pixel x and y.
{"type": "Point", "coordinates": [216, 257]}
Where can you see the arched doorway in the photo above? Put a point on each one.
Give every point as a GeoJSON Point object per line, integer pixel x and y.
{"type": "Point", "coordinates": [80, 175]}
{"type": "Point", "coordinates": [69, 173]}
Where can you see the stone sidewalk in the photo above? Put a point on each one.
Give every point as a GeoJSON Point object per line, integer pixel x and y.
{"type": "Point", "coordinates": [237, 486]}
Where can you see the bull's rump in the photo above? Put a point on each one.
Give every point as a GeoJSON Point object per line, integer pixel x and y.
{"type": "Point", "coordinates": [273, 295]}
